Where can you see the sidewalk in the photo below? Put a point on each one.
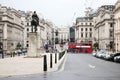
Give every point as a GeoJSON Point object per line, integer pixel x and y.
{"type": "Point", "coordinates": [20, 66]}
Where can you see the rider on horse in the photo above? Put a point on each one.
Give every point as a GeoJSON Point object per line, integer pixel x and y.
{"type": "Point", "coordinates": [35, 21]}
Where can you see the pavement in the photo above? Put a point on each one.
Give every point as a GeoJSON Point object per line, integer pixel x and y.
{"type": "Point", "coordinates": [20, 65]}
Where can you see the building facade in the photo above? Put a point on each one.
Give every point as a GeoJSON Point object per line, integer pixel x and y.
{"type": "Point", "coordinates": [63, 34]}
{"type": "Point", "coordinates": [84, 29]}
{"type": "Point", "coordinates": [11, 28]}
{"type": "Point", "coordinates": [117, 25]}
{"type": "Point", "coordinates": [104, 27]}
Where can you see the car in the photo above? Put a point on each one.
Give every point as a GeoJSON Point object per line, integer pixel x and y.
{"type": "Point", "coordinates": [101, 54]}
{"type": "Point", "coordinates": [108, 55]}
{"type": "Point", "coordinates": [111, 57]}
{"type": "Point", "coordinates": [117, 58]}
{"type": "Point", "coordinates": [94, 53]}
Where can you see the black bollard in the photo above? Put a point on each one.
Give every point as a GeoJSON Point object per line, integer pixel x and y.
{"type": "Point", "coordinates": [11, 54]}
{"type": "Point", "coordinates": [2, 55]}
{"type": "Point", "coordinates": [50, 60]}
{"type": "Point", "coordinates": [18, 53]}
{"type": "Point", "coordinates": [45, 63]}
{"type": "Point", "coordinates": [55, 58]}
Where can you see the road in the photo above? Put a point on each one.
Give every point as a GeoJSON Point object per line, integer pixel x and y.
{"type": "Point", "coordinates": [78, 67]}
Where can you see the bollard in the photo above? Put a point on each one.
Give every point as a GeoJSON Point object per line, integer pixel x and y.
{"type": "Point", "coordinates": [50, 60]}
{"type": "Point", "coordinates": [45, 63]}
{"type": "Point", "coordinates": [11, 54]}
{"type": "Point", "coordinates": [2, 55]}
{"type": "Point", "coordinates": [55, 58]}
{"type": "Point", "coordinates": [18, 53]}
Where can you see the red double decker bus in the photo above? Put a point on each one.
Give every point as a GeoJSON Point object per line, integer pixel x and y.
{"type": "Point", "coordinates": [82, 47]}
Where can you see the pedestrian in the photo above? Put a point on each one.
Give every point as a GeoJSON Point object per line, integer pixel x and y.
{"type": "Point", "coordinates": [52, 48]}
{"type": "Point", "coordinates": [46, 48]}
{"type": "Point", "coordinates": [1, 50]}
{"type": "Point", "coordinates": [12, 50]}
{"type": "Point", "coordinates": [56, 51]}
{"type": "Point", "coordinates": [19, 52]}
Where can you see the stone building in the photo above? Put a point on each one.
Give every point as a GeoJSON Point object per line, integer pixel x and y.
{"type": "Point", "coordinates": [11, 28]}
{"type": "Point", "coordinates": [117, 25]}
{"type": "Point", "coordinates": [63, 34]}
{"type": "Point", "coordinates": [104, 27]}
{"type": "Point", "coordinates": [84, 29]}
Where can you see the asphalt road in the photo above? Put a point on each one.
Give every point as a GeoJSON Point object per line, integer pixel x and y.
{"type": "Point", "coordinates": [78, 67]}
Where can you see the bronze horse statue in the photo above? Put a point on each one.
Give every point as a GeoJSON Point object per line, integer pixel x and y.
{"type": "Point", "coordinates": [34, 22]}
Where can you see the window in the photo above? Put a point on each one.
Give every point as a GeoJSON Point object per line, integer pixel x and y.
{"type": "Point", "coordinates": [90, 35]}
{"type": "Point", "coordinates": [111, 24]}
{"type": "Point", "coordinates": [81, 23]}
{"type": "Point", "coordinates": [56, 33]}
{"type": "Point", "coordinates": [27, 35]}
{"type": "Point", "coordinates": [90, 24]}
{"type": "Point", "coordinates": [27, 29]}
{"type": "Point", "coordinates": [85, 23]}
{"type": "Point", "coordinates": [27, 24]}
{"type": "Point", "coordinates": [81, 29]}
{"type": "Point", "coordinates": [86, 35]}
{"type": "Point", "coordinates": [0, 18]}
{"type": "Point", "coordinates": [90, 29]}
{"type": "Point", "coordinates": [27, 45]}
{"type": "Point", "coordinates": [111, 33]}
{"type": "Point", "coordinates": [85, 29]}
{"type": "Point", "coordinates": [82, 35]}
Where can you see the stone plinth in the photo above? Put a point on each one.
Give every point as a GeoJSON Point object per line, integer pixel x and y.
{"type": "Point", "coordinates": [33, 44]}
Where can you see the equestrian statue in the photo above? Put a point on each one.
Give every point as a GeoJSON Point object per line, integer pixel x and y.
{"type": "Point", "coordinates": [34, 22]}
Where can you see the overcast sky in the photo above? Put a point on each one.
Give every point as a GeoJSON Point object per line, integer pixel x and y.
{"type": "Point", "coordinates": [60, 12]}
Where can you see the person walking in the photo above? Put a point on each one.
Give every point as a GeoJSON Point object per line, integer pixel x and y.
{"type": "Point", "coordinates": [46, 48]}
{"type": "Point", "coordinates": [1, 50]}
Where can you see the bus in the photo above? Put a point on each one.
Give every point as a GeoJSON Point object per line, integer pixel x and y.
{"type": "Point", "coordinates": [82, 47]}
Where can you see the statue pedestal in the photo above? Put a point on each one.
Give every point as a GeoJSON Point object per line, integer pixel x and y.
{"type": "Point", "coordinates": [33, 45]}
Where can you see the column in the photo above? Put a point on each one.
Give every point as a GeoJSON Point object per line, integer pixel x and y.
{"type": "Point", "coordinates": [78, 34]}
{"type": "Point", "coordinates": [118, 25]}
{"type": "Point", "coordinates": [5, 37]}
{"type": "Point", "coordinates": [5, 31]}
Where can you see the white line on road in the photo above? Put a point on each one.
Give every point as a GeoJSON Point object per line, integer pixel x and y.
{"type": "Point", "coordinates": [91, 66]}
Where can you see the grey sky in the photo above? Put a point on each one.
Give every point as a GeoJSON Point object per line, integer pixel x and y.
{"type": "Point", "coordinates": [60, 12]}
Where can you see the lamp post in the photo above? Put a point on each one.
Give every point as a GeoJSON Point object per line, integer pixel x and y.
{"type": "Point", "coordinates": [53, 37]}
{"type": "Point", "coordinates": [98, 38]}
{"type": "Point", "coordinates": [113, 44]}
{"type": "Point", "coordinates": [56, 37]}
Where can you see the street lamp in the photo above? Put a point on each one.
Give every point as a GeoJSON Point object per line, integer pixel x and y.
{"type": "Point", "coordinates": [113, 44]}
{"type": "Point", "coordinates": [52, 36]}
{"type": "Point", "coordinates": [56, 37]}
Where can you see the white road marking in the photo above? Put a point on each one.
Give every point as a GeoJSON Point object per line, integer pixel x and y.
{"type": "Point", "coordinates": [91, 66]}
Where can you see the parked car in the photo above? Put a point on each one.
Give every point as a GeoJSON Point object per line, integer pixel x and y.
{"type": "Point", "coordinates": [19, 52]}
{"type": "Point", "coordinates": [24, 50]}
{"type": "Point", "coordinates": [111, 57]}
{"type": "Point", "coordinates": [94, 53]}
{"type": "Point", "coordinates": [108, 55]}
{"type": "Point", "coordinates": [117, 58]}
{"type": "Point", "coordinates": [101, 54]}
